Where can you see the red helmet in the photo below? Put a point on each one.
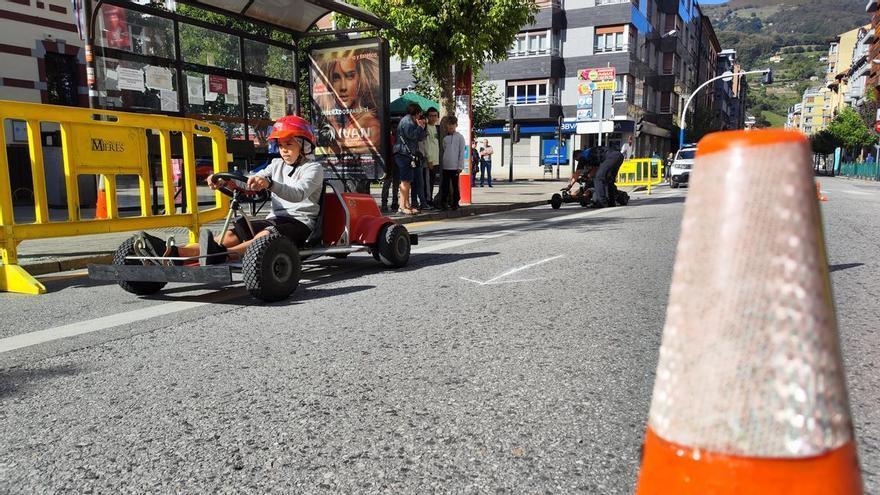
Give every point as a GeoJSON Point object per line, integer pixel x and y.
{"type": "Point", "coordinates": [293, 125]}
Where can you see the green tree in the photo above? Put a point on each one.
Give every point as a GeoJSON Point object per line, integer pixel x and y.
{"type": "Point", "coordinates": [824, 142]}
{"type": "Point", "coordinates": [849, 129]}
{"type": "Point", "coordinates": [448, 37]}
{"type": "Point", "coordinates": [484, 95]}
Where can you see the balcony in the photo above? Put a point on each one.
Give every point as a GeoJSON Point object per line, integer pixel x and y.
{"type": "Point", "coordinates": [611, 49]}
{"type": "Point", "coordinates": [532, 100]}
{"type": "Point", "coordinates": [543, 52]}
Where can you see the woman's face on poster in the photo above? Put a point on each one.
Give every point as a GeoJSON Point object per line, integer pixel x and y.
{"type": "Point", "coordinates": [345, 80]}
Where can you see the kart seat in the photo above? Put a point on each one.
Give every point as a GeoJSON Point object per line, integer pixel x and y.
{"type": "Point", "coordinates": [316, 237]}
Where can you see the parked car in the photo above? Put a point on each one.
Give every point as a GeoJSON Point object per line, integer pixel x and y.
{"type": "Point", "coordinates": [680, 171]}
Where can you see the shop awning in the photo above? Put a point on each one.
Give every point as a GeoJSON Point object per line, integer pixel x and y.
{"type": "Point", "coordinates": [295, 15]}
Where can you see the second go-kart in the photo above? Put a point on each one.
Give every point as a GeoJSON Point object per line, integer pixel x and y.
{"type": "Point", "coordinates": [347, 223]}
{"type": "Point", "coordinates": [585, 186]}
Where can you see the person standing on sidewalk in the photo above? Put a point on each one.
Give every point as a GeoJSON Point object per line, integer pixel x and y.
{"type": "Point", "coordinates": [391, 180]}
{"type": "Point", "coordinates": [453, 162]}
{"type": "Point", "coordinates": [475, 162]}
{"type": "Point", "coordinates": [410, 131]}
{"type": "Point", "coordinates": [486, 162]}
{"type": "Point", "coordinates": [432, 153]}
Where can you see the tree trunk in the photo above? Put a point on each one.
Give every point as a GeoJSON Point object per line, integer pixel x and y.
{"type": "Point", "coordinates": [446, 81]}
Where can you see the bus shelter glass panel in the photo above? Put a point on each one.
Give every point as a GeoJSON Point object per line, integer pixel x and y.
{"type": "Point", "coordinates": [131, 85]}
{"type": "Point", "coordinates": [135, 32]}
{"type": "Point", "coordinates": [262, 112]}
{"type": "Point", "coordinates": [217, 99]}
{"type": "Point", "coordinates": [262, 59]}
{"type": "Point", "coordinates": [208, 47]}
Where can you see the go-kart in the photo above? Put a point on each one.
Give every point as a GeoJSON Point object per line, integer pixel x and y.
{"type": "Point", "coordinates": [585, 186]}
{"type": "Point", "coordinates": [347, 223]}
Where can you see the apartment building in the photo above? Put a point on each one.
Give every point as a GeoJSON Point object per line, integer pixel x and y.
{"type": "Point", "coordinates": [41, 53]}
{"type": "Point", "coordinates": [729, 105]}
{"type": "Point", "coordinates": [816, 110]}
{"type": "Point", "coordinates": [795, 113]}
{"type": "Point", "coordinates": [658, 49]}
{"type": "Point", "coordinates": [873, 81]}
{"type": "Point", "coordinates": [840, 60]}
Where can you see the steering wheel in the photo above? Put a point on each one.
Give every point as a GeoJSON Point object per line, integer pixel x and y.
{"type": "Point", "coordinates": [235, 186]}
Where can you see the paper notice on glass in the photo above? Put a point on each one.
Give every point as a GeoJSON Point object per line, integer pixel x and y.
{"type": "Point", "coordinates": [257, 95]}
{"type": "Point", "coordinates": [232, 92]}
{"type": "Point", "coordinates": [169, 100]}
{"type": "Point", "coordinates": [277, 102]}
{"type": "Point", "coordinates": [131, 79]}
{"type": "Point", "coordinates": [195, 90]}
{"type": "Point", "coordinates": [209, 95]}
{"type": "Point", "coordinates": [159, 78]}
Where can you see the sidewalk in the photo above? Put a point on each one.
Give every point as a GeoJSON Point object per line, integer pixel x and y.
{"type": "Point", "coordinates": [44, 256]}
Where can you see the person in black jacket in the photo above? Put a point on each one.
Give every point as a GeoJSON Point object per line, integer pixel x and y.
{"type": "Point", "coordinates": [610, 161]}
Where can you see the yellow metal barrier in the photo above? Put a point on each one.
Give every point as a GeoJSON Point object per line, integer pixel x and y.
{"type": "Point", "coordinates": [103, 143]}
{"type": "Point", "coordinates": [637, 172]}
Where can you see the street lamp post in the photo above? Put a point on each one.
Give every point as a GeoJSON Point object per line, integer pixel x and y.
{"type": "Point", "coordinates": [683, 123]}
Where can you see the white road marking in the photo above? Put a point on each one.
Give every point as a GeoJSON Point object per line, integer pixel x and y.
{"type": "Point", "coordinates": [858, 193]}
{"type": "Point", "coordinates": [83, 327]}
{"type": "Point", "coordinates": [496, 279]}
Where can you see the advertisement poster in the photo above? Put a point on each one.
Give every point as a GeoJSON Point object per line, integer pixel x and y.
{"type": "Point", "coordinates": [195, 90]}
{"type": "Point", "coordinates": [348, 98]}
{"type": "Point", "coordinates": [595, 79]}
{"type": "Point", "coordinates": [116, 33]}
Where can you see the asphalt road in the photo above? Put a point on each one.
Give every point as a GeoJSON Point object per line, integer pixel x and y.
{"type": "Point", "coordinates": [504, 358]}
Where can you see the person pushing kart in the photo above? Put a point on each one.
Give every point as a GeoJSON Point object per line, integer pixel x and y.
{"type": "Point", "coordinates": [296, 182]}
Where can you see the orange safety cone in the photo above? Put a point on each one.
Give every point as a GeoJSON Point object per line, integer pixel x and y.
{"type": "Point", "coordinates": [749, 396]}
{"type": "Point", "coordinates": [819, 192]}
{"type": "Point", "coordinates": [101, 204]}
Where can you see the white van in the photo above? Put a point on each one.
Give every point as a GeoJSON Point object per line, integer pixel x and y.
{"type": "Point", "coordinates": [680, 171]}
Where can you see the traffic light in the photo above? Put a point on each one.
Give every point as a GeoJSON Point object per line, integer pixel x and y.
{"type": "Point", "coordinates": [514, 133]}
{"type": "Point", "coordinates": [768, 77]}
{"type": "Point", "coordinates": [638, 129]}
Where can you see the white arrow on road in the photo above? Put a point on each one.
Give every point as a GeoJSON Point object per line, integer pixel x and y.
{"type": "Point", "coordinates": [497, 280]}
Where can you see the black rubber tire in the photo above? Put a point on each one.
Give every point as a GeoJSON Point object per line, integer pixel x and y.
{"type": "Point", "coordinates": [584, 201]}
{"type": "Point", "coordinates": [622, 198]}
{"type": "Point", "coordinates": [556, 201]}
{"type": "Point", "coordinates": [140, 288]}
{"type": "Point", "coordinates": [392, 247]}
{"type": "Point", "coordinates": [673, 184]}
{"type": "Point", "coordinates": [271, 268]}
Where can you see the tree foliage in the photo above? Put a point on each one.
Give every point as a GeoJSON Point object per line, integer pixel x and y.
{"type": "Point", "coordinates": [849, 130]}
{"type": "Point", "coordinates": [824, 142]}
{"type": "Point", "coordinates": [484, 95]}
{"type": "Point", "coordinates": [446, 37]}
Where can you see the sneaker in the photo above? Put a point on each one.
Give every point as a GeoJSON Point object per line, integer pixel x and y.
{"type": "Point", "coordinates": [208, 246]}
{"type": "Point", "coordinates": [148, 246]}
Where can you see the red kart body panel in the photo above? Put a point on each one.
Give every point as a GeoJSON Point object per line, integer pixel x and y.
{"type": "Point", "coordinates": [365, 218]}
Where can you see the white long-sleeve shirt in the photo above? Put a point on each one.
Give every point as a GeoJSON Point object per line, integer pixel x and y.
{"type": "Point", "coordinates": [295, 195]}
{"type": "Point", "coordinates": [453, 151]}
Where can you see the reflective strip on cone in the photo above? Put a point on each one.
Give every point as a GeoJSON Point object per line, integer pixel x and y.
{"type": "Point", "coordinates": [750, 384]}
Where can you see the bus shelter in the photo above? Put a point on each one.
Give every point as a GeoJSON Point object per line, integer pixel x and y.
{"type": "Point", "coordinates": [236, 64]}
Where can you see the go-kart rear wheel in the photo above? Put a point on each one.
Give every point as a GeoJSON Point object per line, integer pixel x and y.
{"type": "Point", "coordinates": [140, 288]}
{"type": "Point", "coordinates": [271, 268]}
{"type": "Point", "coordinates": [622, 198]}
{"type": "Point", "coordinates": [584, 200]}
{"type": "Point", "coordinates": [392, 246]}
{"type": "Point", "coordinates": [556, 201]}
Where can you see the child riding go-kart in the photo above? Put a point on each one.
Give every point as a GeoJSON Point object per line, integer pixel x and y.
{"type": "Point", "coordinates": [306, 221]}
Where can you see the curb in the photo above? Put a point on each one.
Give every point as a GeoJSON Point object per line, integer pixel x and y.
{"type": "Point", "coordinates": [67, 264]}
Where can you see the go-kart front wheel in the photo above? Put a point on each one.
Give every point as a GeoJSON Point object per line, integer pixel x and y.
{"type": "Point", "coordinates": [622, 198]}
{"type": "Point", "coordinates": [556, 201]}
{"type": "Point", "coordinates": [125, 250]}
{"type": "Point", "coordinates": [271, 268]}
{"type": "Point", "coordinates": [392, 247]}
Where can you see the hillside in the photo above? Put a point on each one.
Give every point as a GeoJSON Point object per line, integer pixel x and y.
{"type": "Point", "coordinates": [790, 36]}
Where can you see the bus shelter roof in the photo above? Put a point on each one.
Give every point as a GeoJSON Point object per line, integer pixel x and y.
{"type": "Point", "coordinates": [294, 15]}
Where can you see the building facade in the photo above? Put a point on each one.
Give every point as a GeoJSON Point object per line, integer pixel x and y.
{"type": "Point", "coordinates": [659, 50]}
{"type": "Point", "coordinates": [816, 110]}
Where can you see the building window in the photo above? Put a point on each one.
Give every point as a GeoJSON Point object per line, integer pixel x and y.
{"type": "Point", "coordinates": [61, 79]}
{"type": "Point", "coordinates": [610, 39]}
{"type": "Point", "coordinates": [531, 43]}
{"type": "Point", "coordinates": [539, 92]}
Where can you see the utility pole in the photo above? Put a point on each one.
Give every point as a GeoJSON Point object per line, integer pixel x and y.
{"type": "Point", "coordinates": [558, 143]}
{"type": "Point", "coordinates": [510, 157]}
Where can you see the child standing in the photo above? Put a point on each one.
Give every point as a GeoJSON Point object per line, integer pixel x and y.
{"type": "Point", "coordinates": [453, 162]}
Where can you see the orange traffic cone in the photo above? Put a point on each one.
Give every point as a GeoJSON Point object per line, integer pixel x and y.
{"type": "Point", "coordinates": [750, 395]}
{"type": "Point", "coordinates": [819, 192]}
{"type": "Point", "coordinates": [101, 204]}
